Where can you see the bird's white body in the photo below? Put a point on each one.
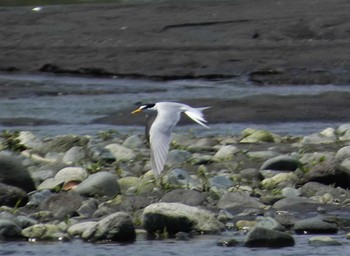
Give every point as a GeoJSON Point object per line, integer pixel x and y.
{"type": "Point", "coordinates": [160, 132]}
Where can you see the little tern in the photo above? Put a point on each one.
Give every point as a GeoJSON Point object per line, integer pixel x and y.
{"type": "Point", "coordinates": [160, 131]}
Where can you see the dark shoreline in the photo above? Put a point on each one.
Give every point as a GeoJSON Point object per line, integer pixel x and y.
{"type": "Point", "coordinates": [275, 42]}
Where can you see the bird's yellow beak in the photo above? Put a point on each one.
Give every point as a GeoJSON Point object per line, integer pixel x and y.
{"type": "Point", "coordinates": [136, 111]}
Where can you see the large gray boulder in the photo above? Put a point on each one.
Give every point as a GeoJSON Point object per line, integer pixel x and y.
{"type": "Point", "coordinates": [315, 225]}
{"type": "Point", "coordinates": [176, 217]}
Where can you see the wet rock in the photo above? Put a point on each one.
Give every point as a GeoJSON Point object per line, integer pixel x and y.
{"type": "Point", "coordinates": [58, 206]}
{"type": "Point", "coordinates": [42, 232]}
{"type": "Point", "coordinates": [176, 217]}
{"type": "Point", "coordinates": [245, 224]}
{"type": "Point", "coordinates": [25, 221]}
{"type": "Point", "coordinates": [290, 192]}
{"type": "Point", "coordinates": [314, 225]}
{"type": "Point", "coordinates": [121, 153]}
{"type": "Point", "coordinates": [9, 229]}
{"type": "Point", "coordinates": [13, 173]}
{"type": "Point", "coordinates": [225, 153]}
{"type": "Point", "coordinates": [227, 242]}
{"type": "Point", "coordinates": [262, 237]}
{"type": "Point", "coordinates": [184, 196]}
{"type": "Point", "coordinates": [115, 227]}
{"type": "Point", "coordinates": [323, 241]}
{"type": "Point", "coordinates": [74, 155]}
{"type": "Point", "coordinates": [281, 163]}
{"type": "Point", "coordinates": [238, 202]}
{"type": "Point", "coordinates": [12, 196]}
{"type": "Point", "coordinates": [99, 184]}
{"type": "Point", "coordinates": [256, 136]}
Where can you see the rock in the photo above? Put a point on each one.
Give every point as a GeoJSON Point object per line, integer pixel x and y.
{"type": "Point", "coordinates": [323, 241]}
{"type": "Point", "coordinates": [61, 144]}
{"type": "Point", "coordinates": [24, 221]}
{"type": "Point", "coordinates": [245, 224]}
{"type": "Point", "coordinates": [280, 180]}
{"type": "Point", "coordinates": [343, 128]}
{"type": "Point", "coordinates": [226, 153]}
{"type": "Point", "coordinates": [227, 242]}
{"type": "Point", "coordinates": [29, 140]}
{"type": "Point", "coordinates": [115, 227]}
{"type": "Point", "coordinates": [220, 182]}
{"type": "Point", "coordinates": [134, 142]}
{"type": "Point", "coordinates": [250, 176]}
{"type": "Point", "coordinates": [263, 155]}
{"type": "Point", "coordinates": [314, 225]}
{"type": "Point", "coordinates": [176, 217]}
{"type": "Point", "coordinates": [99, 184]}
{"type": "Point", "coordinates": [12, 196]}
{"type": "Point", "coordinates": [9, 229]}
{"type": "Point", "coordinates": [281, 163]}
{"type": "Point", "coordinates": [345, 165]}
{"type": "Point", "coordinates": [41, 231]}
{"type": "Point", "coordinates": [185, 196]}
{"type": "Point", "coordinates": [262, 237]}
{"type": "Point", "coordinates": [37, 197]}
{"type": "Point", "coordinates": [121, 153]}
{"type": "Point", "coordinates": [238, 202]}
{"type": "Point", "coordinates": [286, 219]}
{"type": "Point", "coordinates": [256, 136]}
{"type": "Point", "coordinates": [13, 173]}
{"type": "Point", "coordinates": [315, 189]}
{"type": "Point", "coordinates": [290, 192]}
{"type": "Point", "coordinates": [268, 223]}
{"type": "Point", "coordinates": [202, 145]}
{"type": "Point", "coordinates": [179, 178]}
{"type": "Point", "coordinates": [88, 208]}
{"type": "Point", "coordinates": [78, 229]}
{"type": "Point", "coordinates": [72, 174]}
{"type": "Point", "coordinates": [324, 168]}
{"type": "Point", "coordinates": [324, 137]}
{"type": "Point", "coordinates": [57, 204]}
{"type": "Point", "coordinates": [74, 155]}
{"type": "Point", "coordinates": [296, 204]}
{"type": "Point", "coordinates": [343, 153]}
{"type": "Point", "coordinates": [177, 156]}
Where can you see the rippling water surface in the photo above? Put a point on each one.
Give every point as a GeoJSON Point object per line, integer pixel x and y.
{"type": "Point", "coordinates": [204, 246]}
{"type": "Point", "coordinates": [74, 102]}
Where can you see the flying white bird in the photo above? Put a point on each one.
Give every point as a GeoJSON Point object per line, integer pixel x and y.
{"type": "Point", "coordinates": [160, 130]}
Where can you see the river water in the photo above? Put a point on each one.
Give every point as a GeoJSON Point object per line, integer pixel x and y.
{"type": "Point", "coordinates": [67, 104]}
{"type": "Point", "coordinates": [203, 245]}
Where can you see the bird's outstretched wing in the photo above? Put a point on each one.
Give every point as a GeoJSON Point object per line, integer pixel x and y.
{"type": "Point", "coordinates": [159, 151]}
{"type": "Point", "coordinates": [196, 115]}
